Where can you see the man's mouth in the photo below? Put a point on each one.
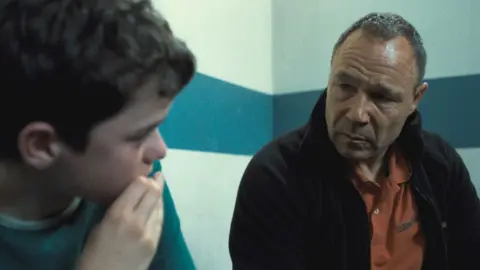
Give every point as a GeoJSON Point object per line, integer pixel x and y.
{"type": "Point", "coordinates": [356, 138]}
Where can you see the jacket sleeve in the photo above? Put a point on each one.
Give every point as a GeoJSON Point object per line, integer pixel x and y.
{"type": "Point", "coordinates": [266, 231]}
{"type": "Point", "coordinates": [463, 220]}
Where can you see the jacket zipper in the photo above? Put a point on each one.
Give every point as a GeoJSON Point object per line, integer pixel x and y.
{"type": "Point", "coordinates": [433, 206]}
{"type": "Point", "coordinates": [369, 230]}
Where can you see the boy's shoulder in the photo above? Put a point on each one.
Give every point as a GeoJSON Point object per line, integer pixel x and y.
{"type": "Point", "coordinates": [59, 246]}
{"type": "Point", "coordinates": [54, 247]}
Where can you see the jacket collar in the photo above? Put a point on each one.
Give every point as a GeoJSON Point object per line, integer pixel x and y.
{"type": "Point", "coordinates": [317, 146]}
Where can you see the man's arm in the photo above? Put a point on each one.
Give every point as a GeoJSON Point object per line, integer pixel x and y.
{"type": "Point", "coordinates": [463, 218]}
{"type": "Point", "coordinates": [266, 230]}
{"type": "Point", "coordinates": [172, 252]}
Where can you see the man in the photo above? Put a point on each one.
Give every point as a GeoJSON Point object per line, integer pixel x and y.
{"type": "Point", "coordinates": [361, 185]}
{"type": "Point", "coordinates": [85, 85]}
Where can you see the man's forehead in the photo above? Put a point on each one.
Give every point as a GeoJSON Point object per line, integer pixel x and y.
{"type": "Point", "coordinates": [380, 62]}
{"type": "Point", "coordinates": [395, 50]}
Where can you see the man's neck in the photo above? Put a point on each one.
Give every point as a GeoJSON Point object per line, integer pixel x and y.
{"type": "Point", "coordinates": [372, 168]}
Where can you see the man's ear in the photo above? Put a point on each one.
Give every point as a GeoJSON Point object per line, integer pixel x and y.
{"type": "Point", "coordinates": [418, 95]}
{"type": "Point", "coordinates": [38, 145]}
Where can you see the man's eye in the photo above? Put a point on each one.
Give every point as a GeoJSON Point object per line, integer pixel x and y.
{"type": "Point", "coordinates": [346, 87]}
{"type": "Point", "coordinates": [381, 98]}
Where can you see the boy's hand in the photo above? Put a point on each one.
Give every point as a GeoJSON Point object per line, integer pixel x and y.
{"type": "Point", "coordinates": [129, 234]}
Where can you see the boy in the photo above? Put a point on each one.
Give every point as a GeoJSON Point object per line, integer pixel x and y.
{"type": "Point", "coordinates": [84, 86]}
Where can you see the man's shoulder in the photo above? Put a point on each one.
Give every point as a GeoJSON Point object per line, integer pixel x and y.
{"type": "Point", "coordinates": [280, 152]}
{"type": "Point", "coordinates": [271, 167]}
{"type": "Point", "coordinates": [439, 150]}
{"type": "Point", "coordinates": [442, 164]}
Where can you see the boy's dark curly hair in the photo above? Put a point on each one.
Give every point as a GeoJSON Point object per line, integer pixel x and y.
{"type": "Point", "coordinates": [76, 63]}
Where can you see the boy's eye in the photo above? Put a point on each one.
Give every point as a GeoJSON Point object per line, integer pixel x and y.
{"type": "Point", "coordinates": [141, 136]}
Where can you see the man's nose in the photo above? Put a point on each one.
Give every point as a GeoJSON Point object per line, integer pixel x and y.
{"type": "Point", "coordinates": [358, 110]}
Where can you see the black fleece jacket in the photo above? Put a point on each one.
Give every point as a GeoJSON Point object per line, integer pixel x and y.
{"type": "Point", "coordinates": [295, 210]}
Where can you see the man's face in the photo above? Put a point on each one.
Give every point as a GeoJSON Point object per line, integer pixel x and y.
{"type": "Point", "coordinates": [119, 150]}
{"type": "Point", "coordinates": [372, 90]}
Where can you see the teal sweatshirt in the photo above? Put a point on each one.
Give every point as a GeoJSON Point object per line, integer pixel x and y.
{"type": "Point", "coordinates": [56, 245]}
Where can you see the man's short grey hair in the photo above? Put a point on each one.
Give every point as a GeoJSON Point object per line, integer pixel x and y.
{"type": "Point", "coordinates": [388, 26]}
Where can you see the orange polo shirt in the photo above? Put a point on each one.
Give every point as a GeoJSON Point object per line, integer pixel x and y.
{"type": "Point", "coordinates": [397, 242]}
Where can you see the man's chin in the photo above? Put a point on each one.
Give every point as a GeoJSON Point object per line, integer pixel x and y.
{"type": "Point", "coordinates": [357, 154]}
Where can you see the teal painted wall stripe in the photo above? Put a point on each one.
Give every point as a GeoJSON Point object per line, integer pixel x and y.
{"type": "Point", "coordinates": [216, 116]}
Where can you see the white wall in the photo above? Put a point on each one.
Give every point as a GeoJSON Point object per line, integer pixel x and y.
{"type": "Point", "coordinates": [204, 186]}
{"type": "Point", "coordinates": [305, 31]}
{"type": "Point", "coordinates": [282, 46]}
{"type": "Point", "coordinates": [231, 38]}
{"type": "Point", "coordinates": [232, 42]}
